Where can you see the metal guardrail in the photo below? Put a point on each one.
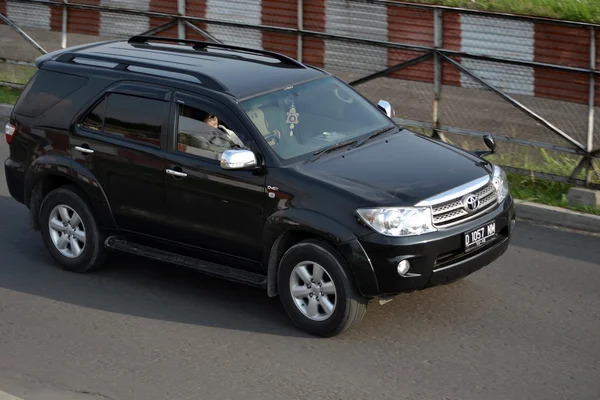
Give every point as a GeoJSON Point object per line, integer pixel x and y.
{"type": "Point", "coordinates": [441, 56]}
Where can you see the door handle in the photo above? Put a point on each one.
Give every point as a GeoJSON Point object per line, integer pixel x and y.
{"type": "Point", "coordinates": [84, 149]}
{"type": "Point", "coordinates": [176, 173]}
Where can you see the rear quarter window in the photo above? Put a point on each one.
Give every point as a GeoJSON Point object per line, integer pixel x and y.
{"type": "Point", "coordinates": [129, 117]}
{"type": "Point", "coordinates": [45, 90]}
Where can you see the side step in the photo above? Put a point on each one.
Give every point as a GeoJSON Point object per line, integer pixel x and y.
{"type": "Point", "coordinates": [209, 268]}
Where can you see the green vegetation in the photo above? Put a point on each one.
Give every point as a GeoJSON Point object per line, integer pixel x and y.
{"type": "Point", "coordinates": [546, 192]}
{"type": "Point", "coordinates": [540, 160]}
{"type": "Point", "coordinates": [572, 10]}
{"type": "Point", "coordinates": [8, 95]}
{"type": "Point", "coordinates": [13, 73]}
{"type": "Point", "coordinates": [529, 188]}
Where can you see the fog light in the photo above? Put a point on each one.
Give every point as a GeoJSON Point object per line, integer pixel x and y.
{"type": "Point", "coordinates": [403, 267]}
{"type": "Point", "coordinates": [512, 224]}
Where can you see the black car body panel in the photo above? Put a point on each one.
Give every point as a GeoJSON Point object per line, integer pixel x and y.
{"type": "Point", "coordinates": [79, 122]}
{"type": "Point", "coordinates": [435, 254]}
{"type": "Point", "coordinates": [222, 68]}
{"type": "Point", "coordinates": [376, 171]}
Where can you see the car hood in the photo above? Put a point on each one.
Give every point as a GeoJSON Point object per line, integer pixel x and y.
{"type": "Point", "coordinates": [400, 169]}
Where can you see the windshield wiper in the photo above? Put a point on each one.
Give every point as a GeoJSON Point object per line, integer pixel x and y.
{"type": "Point", "coordinates": [372, 135]}
{"type": "Point", "coordinates": [319, 153]}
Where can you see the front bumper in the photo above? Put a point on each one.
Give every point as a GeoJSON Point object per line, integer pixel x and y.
{"type": "Point", "coordinates": [438, 257]}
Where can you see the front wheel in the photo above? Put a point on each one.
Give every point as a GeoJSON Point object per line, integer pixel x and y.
{"type": "Point", "coordinates": [317, 289]}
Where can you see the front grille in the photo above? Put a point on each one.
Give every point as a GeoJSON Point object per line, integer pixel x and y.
{"type": "Point", "coordinates": [453, 211]}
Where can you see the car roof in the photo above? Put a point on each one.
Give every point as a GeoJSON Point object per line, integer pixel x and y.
{"type": "Point", "coordinates": [242, 72]}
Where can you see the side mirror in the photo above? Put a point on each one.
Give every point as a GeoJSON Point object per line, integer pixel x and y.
{"type": "Point", "coordinates": [386, 108]}
{"type": "Point", "coordinates": [238, 159]}
{"type": "Point", "coordinates": [490, 143]}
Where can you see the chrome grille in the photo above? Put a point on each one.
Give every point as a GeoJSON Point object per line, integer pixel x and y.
{"type": "Point", "coordinates": [453, 212]}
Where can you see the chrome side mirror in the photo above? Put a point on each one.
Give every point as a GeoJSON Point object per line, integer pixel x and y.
{"type": "Point", "coordinates": [238, 159]}
{"type": "Point", "coordinates": [386, 108]}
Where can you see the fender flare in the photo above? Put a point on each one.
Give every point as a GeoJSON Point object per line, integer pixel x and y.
{"type": "Point", "coordinates": [283, 228]}
{"type": "Point", "coordinates": [56, 166]}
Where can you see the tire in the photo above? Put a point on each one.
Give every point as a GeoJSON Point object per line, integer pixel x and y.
{"type": "Point", "coordinates": [349, 305]}
{"type": "Point", "coordinates": [92, 253]}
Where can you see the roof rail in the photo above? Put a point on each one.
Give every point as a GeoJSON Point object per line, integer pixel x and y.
{"type": "Point", "coordinates": [39, 61]}
{"type": "Point", "coordinates": [122, 64]}
{"type": "Point", "coordinates": [201, 45]}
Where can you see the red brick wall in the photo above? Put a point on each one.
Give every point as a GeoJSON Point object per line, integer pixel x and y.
{"type": "Point", "coordinates": [452, 41]}
{"type": "Point", "coordinates": [85, 22]}
{"type": "Point", "coordinates": [164, 6]}
{"type": "Point", "coordinates": [562, 85]}
{"type": "Point", "coordinates": [410, 26]}
{"type": "Point", "coordinates": [195, 8]}
{"type": "Point", "coordinates": [597, 68]}
{"type": "Point", "coordinates": [2, 9]}
{"type": "Point", "coordinates": [314, 20]}
{"type": "Point", "coordinates": [56, 19]}
{"type": "Point", "coordinates": [562, 45]}
{"type": "Point", "coordinates": [282, 14]}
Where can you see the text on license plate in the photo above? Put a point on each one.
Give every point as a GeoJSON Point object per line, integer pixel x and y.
{"type": "Point", "coordinates": [480, 236]}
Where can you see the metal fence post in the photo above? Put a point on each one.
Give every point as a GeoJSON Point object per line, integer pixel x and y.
{"type": "Point", "coordinates": [23, 34]}
{"type": "Point", "coordinates": [65, 18]}
{"type": "Point", "coordinates": [299, 42]}
{"type": "Point", "coordinates": [592, 104]}
{"type": "Point", "coordinates": [437, 78]}
{"type": "Point", "coordinates": [181, 23]}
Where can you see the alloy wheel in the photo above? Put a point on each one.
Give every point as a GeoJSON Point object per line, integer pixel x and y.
{"type": "Point", "coordinates": [313, 290]}
{"type": "Point", "coordinates": [67, 231]}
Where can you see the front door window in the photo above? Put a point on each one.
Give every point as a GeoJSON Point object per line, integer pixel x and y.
{"type": "Point", "coordinates": [204, 134]}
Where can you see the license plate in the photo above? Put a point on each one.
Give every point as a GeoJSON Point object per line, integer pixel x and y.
{"type": "Point", "coordinates": [480, 236]}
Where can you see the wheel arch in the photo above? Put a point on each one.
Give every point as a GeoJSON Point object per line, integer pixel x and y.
{"type": "Point", "coordinates": [285, 229]}
{"type": "Point", "coordinates": [50, 172]}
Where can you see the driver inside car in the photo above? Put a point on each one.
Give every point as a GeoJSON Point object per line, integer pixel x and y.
{"type": "Point", "coordinates": [213, 121]}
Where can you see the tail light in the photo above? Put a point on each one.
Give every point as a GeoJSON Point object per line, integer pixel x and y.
{"type": "Point", "coordinates": [9, 130]}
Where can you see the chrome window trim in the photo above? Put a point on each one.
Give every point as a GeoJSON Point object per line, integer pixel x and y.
{"type": "Point", "coordinates": [455, 192]}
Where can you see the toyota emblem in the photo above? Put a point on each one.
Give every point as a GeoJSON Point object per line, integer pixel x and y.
{"type": "Point", "coordinates": [471, 203]}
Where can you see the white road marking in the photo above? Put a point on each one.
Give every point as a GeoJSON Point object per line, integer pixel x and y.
{"type": "Point", "coordinates": [6, 396]}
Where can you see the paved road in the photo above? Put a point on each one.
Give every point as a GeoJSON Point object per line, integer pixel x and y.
{"type": "Point", "coordinates": [526, 327]}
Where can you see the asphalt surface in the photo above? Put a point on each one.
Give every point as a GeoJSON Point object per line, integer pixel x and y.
{"type": "Point", "coordinates": [526, 327]}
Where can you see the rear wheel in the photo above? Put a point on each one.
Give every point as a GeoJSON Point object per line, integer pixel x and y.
{"type": "Point", "coordinates": [317, 289]}
{"type": "Point", "coordinates": [70, 231]}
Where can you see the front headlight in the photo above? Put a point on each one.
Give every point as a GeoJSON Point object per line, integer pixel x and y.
{"type": "Point", "coordinates": [398, 221]}
{"type": "Point", "coordinates": [500, 183]}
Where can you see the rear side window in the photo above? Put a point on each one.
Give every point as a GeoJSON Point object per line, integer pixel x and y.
{"type": "Point", "coordinates": [45, 90]}
{"type": "Point", "coordinates": [95, 118]}
{"type": "Point", "coordinates": [131, 117]}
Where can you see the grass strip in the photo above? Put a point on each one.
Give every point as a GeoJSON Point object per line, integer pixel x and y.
{"type": "Point", "coordinates": [571, 10]}
{"type": "Point", "coordinates": [544, 192]}
{"type": "Point", "coordinates": [9, 95]}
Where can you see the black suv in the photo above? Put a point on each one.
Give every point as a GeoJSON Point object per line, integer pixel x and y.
{"type": "Point", "coordinates": [251, 166]}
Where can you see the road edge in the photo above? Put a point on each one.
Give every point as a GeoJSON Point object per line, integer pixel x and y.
{"type": "Point", "coordinates": [535, 212]}
{"type": "Point", "coordinates": [557, 216]}
{"type": "Point", "coordinates": [5, 110]}
{"type": "Point", "coordinates": [8, 396]}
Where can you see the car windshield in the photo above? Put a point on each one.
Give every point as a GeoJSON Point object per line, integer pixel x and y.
{"type": "Point", "coordinates": [303, 119]}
